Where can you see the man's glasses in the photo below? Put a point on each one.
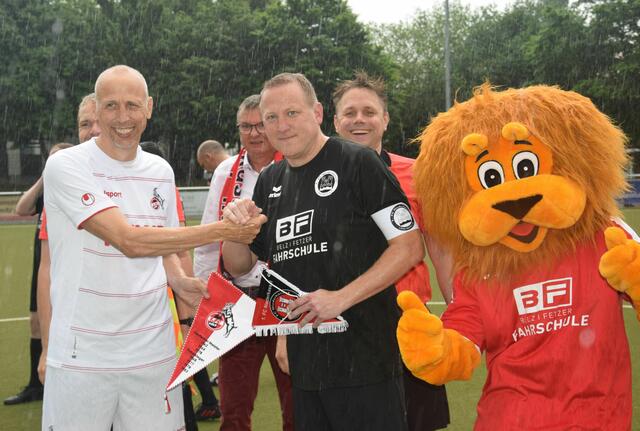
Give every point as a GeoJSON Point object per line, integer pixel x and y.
{"type": "Point", "coordinates": [245, 128]}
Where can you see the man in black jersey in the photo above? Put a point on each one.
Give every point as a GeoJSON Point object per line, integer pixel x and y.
{"type": "Point", "coordinates": [340, 228]}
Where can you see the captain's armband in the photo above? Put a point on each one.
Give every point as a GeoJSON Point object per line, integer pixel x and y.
{"type": "Point", "coordinates": [394, 220]}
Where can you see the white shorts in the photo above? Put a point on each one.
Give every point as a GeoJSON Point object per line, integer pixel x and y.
{"type": "Point", "coordinates": [130, 400]}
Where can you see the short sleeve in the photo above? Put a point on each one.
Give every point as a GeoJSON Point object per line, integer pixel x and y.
{"type": "Point", "coordinates": [463, 313]}
{"type": "Point", "coordinates": [260, 198]}
{"type": "Point", "coordinates": [382, 197]}
{"type": "Point", "coordinates": [69, 187]}
{"type": "Point", "coordinates": [179, 207]}
{"type": "Point", "coordinates": [43, 235]}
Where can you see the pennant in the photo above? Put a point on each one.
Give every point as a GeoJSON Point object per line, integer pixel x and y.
{"type": "Point", "coordinates": [271, 315]}
{"type": "Point", "coordinates": [221, 322]}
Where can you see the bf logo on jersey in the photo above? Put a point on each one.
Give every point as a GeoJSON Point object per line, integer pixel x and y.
{"type": "Point", "coordinates": [543, 296]}
{"type": "Point", "coordinates": [326, 183]}
{"type": "Point", "coordinates": [294, 226]}
{"type": "Point", "coordinates": [401, 217]}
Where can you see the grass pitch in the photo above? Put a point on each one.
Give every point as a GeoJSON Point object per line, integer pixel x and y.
{"type": "Point", "coordinates": [16, 243]}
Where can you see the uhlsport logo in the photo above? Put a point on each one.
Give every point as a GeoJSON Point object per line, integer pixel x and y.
{"type": "Point", "coordinates": [157, 201]}
{"type": "Point", "coordinates": [401, 217]}
{"type": "Point", "coordinates": [88, 199]}
{"type": "Point", "coordinates": [546, 295]}
{"type": "Point", "coordinates": [326, 183]}
{"type": "Point", "coordinates": [294, 226]}
{"type": "Point", "coordinates": [218, 320]}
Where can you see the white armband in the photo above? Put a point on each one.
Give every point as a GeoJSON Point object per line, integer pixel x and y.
{"type": "Point", "coordinates": [394, 220]}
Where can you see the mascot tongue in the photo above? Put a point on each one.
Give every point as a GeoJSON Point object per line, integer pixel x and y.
{"type": "Point", "coordinates": [522, 229]}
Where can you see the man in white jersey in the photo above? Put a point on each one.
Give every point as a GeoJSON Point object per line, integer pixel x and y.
{"type": "Point", "coordinates": [112, 234]}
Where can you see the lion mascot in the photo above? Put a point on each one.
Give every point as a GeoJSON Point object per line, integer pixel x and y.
{"type": "Point", "coordinates": [520, 186]}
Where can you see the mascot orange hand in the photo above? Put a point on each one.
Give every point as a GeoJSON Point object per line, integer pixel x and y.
{"type": "Point", "coordinates": [621, 265]}
{"type": "Point", "coordinates": [430, 352]}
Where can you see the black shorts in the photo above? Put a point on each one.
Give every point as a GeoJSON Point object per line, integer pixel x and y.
{"type": "Point", "coordinates": [33, 305]}
{"type": "Point", "coordinates": [427, 406]}
{"type": "Point", "coordinates": [372, 407]}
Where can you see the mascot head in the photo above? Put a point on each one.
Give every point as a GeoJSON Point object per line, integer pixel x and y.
{"type": "Point", "coordinates": [510, 179]}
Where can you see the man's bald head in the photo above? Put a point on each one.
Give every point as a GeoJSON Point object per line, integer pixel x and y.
{"type": "Point", "coordinates": [210, 154]}
{"type": "Point", "coordinates": [120, 70]}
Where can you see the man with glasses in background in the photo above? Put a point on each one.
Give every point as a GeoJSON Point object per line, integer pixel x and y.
{"type": "Point", "coordinates": [239, 369]}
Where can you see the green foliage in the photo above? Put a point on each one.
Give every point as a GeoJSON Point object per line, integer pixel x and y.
{"type": "Point", "coordinates": [202, 57]}
{"type": "Point", "coordinates": [590, 46]}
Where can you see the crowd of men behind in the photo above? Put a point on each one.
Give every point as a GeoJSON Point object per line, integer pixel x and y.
{"type": "Point", "coordinates": [103, 335]}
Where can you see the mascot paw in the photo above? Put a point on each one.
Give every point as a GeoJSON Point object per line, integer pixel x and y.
{"type": "Point", "coordinates": [620, 265]}
{"type": "Point", "coordinates": [431, 353]}
{"type": "Point", "coordinates": [420, 334]}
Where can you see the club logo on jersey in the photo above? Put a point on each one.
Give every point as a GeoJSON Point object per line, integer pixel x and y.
{"type": "Point", "coordinates": [326, 183]}
{"type": "Point", "coordinates": [543, 296]}
{"type": "Point", "coordinates": [222, 319]}
{"type": "Point", "coordinates": [88, 199]}
{"type": "Point", "coordinates": [294, 226]}
{"type": "Point", "coordinates": [276, 191]}
{"type": "Point", "coordinates": [401, 217]}
{"type": "Point", "coordinates": [157, 201]}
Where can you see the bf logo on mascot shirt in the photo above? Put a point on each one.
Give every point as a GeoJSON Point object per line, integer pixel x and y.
{"type": "Point", "coordinates": [543, 296]}
{"type": "Point", "coordinates": [294, 226]}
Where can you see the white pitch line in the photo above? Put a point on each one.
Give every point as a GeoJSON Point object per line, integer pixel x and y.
{"type": "Point", "coordinates": [14, 319]}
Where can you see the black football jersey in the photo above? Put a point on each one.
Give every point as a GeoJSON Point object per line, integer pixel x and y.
{"type": "Point", "coordinates": [329, 221]}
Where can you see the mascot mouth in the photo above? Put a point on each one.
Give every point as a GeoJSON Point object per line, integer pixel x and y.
{"type": "Point", "coordinates": [524, 232]}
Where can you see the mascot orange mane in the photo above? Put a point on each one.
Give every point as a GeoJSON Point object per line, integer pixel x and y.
{"type": "Point", "coordinates": [520, 186]}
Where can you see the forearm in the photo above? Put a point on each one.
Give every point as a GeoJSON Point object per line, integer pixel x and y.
{"type": "Point", "coordinates": [443, 265]}
{"type": "Point", "coordinates": [185, 262]}
{"type": "Point", "coordinates": [173, 268]}
{"type": "Point", "coordinates": [401, 255]}
{"type": "Point", "coordinates": [43, 294]}
{"type": "Point", "coordinates": [26, 205]}
{"type": "Point", "coordinates": [238, 258]}
{"type": "Point", "coordinates": [111, 226]}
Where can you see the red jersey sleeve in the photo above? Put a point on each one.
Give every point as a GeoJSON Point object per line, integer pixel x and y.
{"type": "Point", "coordinates": [179, 207]}
{"type": "Point", "coordinates": [43, 228]}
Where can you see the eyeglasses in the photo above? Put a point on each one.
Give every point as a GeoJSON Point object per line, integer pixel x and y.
{"type": "Point", "coordinates": [245, 128]}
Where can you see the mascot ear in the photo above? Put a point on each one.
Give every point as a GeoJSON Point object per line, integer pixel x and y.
{"type": "Point", "coordinates": [515, 132]}
{"type": "Point", "coordinates": [474, 143]}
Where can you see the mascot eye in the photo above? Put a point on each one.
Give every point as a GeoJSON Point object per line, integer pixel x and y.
{"type": "Point", "coordinates": [490, 174]}
{"type": "Point", "coordinates": [525, 164]}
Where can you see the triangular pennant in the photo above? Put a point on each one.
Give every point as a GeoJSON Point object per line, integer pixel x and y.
{"type": "Point", "coordinates": [271, 313]}
{"type": "Point", "coordinates": [222, 322]}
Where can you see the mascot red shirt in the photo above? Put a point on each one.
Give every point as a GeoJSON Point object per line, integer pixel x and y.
{"type": "Point", "coordinates": [521, 187]}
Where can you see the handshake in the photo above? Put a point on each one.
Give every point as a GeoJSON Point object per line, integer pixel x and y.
{"type": "Point", "coordinates": [242, 220]}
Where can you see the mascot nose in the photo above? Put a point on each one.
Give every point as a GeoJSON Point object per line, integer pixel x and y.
{"type": "Point", "coordinates": [518, 208]}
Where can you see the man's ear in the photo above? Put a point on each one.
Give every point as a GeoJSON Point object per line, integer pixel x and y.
{"type": "Point", "coordinates": [149, 107]}
{"type": "Point", "coordinates": [318, 112]}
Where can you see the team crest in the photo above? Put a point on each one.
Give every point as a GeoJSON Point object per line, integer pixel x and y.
{"type": "Point", "coordinates": [401, 217]}
{"type": "Point", "coordinates": [223, 319]}
{"type": "Point", "coordinates": [326, 183]}
{"type": "Point", "coordinates": [279, 303]}
{"type": "Point", "coordinates": [157, 201]}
